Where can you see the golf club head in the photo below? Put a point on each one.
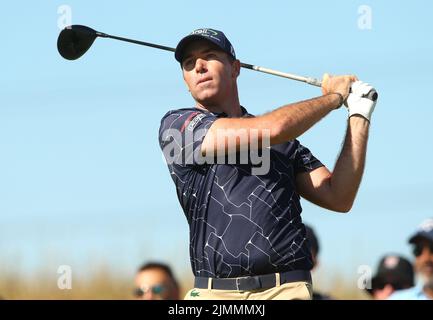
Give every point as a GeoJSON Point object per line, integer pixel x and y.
{"type": "Point", "coordinates": [75, 40]}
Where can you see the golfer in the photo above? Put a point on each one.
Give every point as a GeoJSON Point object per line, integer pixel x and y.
{"type": "Point", "coordinates": [247, 239]}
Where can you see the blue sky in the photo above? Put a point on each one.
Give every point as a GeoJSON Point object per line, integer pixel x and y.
{"type": "Point", "coordinates": [82, 178]}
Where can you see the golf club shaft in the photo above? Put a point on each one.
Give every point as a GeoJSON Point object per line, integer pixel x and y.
{"type": "Point", "coordinates": [312, 81]}
{"type": "Point", "coordinates": [157, 46]}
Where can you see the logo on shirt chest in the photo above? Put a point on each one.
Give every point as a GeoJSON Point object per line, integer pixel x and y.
{"type": "Point", "coordinates": [194, 122]}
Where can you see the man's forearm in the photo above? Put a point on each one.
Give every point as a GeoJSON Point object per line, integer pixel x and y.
{"type": "Point", "coordinates": [347, 174]}
{"type": "Point", "coordinates": [290, 121]}
{"type": "Point", "coordinates": [281, 125]}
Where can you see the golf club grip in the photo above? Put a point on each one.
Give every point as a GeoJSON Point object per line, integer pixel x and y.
{"type": "Point", "coordinates": [372, 94]}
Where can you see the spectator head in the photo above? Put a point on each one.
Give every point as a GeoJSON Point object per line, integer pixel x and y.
{"type": "Point", "coordinates": [155, 281]}
{"type": "Point", "coordinates": [314, 244]}
{"type": "Point", "coordinates": [394, 273]}
{"type": "Point", "coordinates": [422, 242]}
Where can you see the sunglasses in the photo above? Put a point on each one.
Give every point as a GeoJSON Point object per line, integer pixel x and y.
{"type": "Point", "coordinates": [419, 248]}
{"type": "Point", "coordinates": [157, 289]}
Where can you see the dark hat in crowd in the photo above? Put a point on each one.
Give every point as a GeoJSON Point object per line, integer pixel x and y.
{"type": "Point", "coordinates": [214, 36]}
{"type": "Point", "coordinates": [312, 239]}
{"type": "Point", "coordinates": [425, 231]}
{"type": "Point", "coordinates": [393, 270]}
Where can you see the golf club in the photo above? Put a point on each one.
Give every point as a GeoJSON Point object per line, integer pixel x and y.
{"type": "Point", "coordinates": [75, 40]}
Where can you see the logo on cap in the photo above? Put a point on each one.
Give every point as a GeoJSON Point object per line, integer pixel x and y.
{"type": "Point", "coordinates": [206, 33]}
{"type": "Point", "coordinates": [214, 36]}
{"type": "Point", "coordinates": [391, 262]}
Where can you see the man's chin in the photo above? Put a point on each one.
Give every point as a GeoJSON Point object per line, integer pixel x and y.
{"type": "Point", "coordinates": [207, 101]}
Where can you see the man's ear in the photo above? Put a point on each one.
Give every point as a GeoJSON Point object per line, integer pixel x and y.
{"type": "Point", "coordinates": [236, 70]}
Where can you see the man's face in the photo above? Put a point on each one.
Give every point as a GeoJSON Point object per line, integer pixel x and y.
{"type": "Point", "coordinates": [208, 72]}
{"type": "Point", "coordinates": [423, 251]}
{"type": "Point", "coordinates": [155, 284]}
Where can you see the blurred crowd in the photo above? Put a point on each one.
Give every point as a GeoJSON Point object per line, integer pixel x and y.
{"type": "Point", "coordinates": [396, 277]}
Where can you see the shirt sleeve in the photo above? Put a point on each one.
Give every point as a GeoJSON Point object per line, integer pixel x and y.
{"type": "Point", "coordinates": [181, 135]}
{"type": "Point", "coordinates": [304, 159]}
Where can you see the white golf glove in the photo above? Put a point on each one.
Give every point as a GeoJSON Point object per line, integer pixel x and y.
{"type": "Point", "coordinates": [358, 103]}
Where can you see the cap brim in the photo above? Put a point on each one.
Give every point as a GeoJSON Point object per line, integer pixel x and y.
{"type": "Point", "coordinates": [421, 235]}
{"type": "Point", "coordinates": [180, 48]}
{"type": "Point", "coordinates": [178, 54]}
{"type": "Point", "coordinates": [376, 282]}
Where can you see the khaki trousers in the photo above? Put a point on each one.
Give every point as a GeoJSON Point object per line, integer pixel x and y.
{"type": "Point", "coordinates": [288, 291]}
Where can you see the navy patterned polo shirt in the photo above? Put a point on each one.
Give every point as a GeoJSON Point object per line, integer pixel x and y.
{"type": "Point", "coordinates": [241, 224]}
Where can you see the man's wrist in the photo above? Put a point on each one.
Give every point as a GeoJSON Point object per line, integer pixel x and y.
{"type": "Point", "coordinates": [340, 97]}
{"type": "Point", "coordinates": [358, 121]}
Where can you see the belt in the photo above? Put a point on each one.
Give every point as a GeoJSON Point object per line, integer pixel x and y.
{"type": "Point", "coordinates": [252, 282]}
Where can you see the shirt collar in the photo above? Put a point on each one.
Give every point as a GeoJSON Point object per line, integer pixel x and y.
{"type": "Point", "coordinates": [419, 291]}
{"type": "Point", "coordinates": [224, 115]}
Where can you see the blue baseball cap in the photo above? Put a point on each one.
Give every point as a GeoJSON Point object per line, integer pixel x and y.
{"type": "Point", "coordinates": [214, 36]}
{"type": "Point", "coordinates": [425, 231]}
